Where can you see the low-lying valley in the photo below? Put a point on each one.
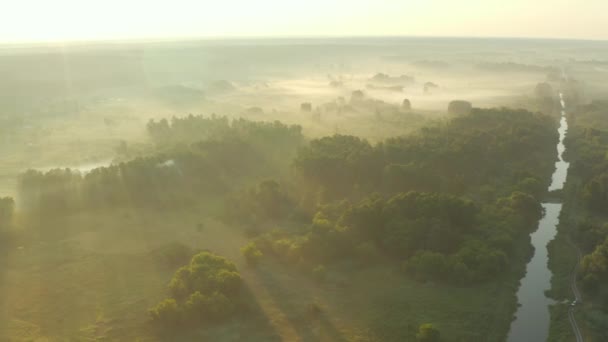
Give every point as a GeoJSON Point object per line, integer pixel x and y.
{"type": "Point", "coordinates": [392, 198]}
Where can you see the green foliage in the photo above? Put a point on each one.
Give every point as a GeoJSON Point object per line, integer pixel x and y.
{"type": "Point", "coordinates": [586, 196]}
{"type": "Point", "coordinates": [266, 201]}
{"type": "Point", "coordinates": [474, 262]}
{"type": "Point", "coordinates": [196, 157]}
{"type": "Point", "coordinates": [524, 204]}
{"type": "Point", "coordinates": [461, 155]}
{"type": "Point", "coordinates": [427, 265]}
{"type": "Point", "coordinates": [439, 237]}
{"type": "Point", "coordinates": [213, 307]}
{"type": "Point", "coordinates": [251, 253]}
{"type": "Point", "coordinates": [167, 313]}
{"type": "Point", "coordinates": [594, 268]}
{"type": "Point", "coordinates": [428, 333]}
{"type": "Point", "coordinates": [336, 163]}
{"type": "Point", "coordinates": [588, 147]}
{"type": "Point", "coordinates": [206, 290]}
{"type": "Point", "coordinates": [532, 186]}
{"type": "Point", "coordinates": [273, 136]}
{"type": "Point", "coordinates": [591, 234]}
{"type": "Point", "coordinates": [595, 192]}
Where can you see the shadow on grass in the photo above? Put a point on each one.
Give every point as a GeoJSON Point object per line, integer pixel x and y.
{"type": "Point", "coordinates": [329, 330]}
{"type": "Point", "coordinates": [299, 318]}
{"type": "Point", "coordinates": [251, 325]}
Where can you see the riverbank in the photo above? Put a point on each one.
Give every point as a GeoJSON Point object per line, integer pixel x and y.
{"type": "Point", "coordinates": [564, 249]}
{"type": "Point", "coordinates": [532, 322]}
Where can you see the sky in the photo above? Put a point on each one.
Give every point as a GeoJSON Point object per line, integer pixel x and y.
{"type": "Point", "coordinates": [68, 20]}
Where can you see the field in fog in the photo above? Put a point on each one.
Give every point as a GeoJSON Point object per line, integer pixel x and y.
{"type": "Point", "coordinates": [72, 105]}
{"type": "Point", "coordinates": [88, 253]}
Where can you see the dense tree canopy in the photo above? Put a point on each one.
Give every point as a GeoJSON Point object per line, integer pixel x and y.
{"type": "Point", "coordinates": [206, 290]}
{"type": "Point", "coordinates": [458, 156]}
{"type": "Point", "coordinates": [197, 157]}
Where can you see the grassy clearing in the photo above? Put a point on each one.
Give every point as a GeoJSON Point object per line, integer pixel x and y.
{"type": "Point", "coordinates": [84, 283]}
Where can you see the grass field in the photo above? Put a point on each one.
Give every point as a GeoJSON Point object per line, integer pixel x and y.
{"type": "Point", "coordinates": [93, 276]}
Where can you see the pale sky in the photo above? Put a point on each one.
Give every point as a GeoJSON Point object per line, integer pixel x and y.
{"type": "Point", "coordinates": [64, 20]}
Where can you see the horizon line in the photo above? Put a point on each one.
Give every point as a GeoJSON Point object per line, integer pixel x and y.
{"type": "Point", "coordinates": [271, 38]}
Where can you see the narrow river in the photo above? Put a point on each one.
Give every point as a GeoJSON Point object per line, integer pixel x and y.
{"type": "Point", "coordinates": [531, 322]}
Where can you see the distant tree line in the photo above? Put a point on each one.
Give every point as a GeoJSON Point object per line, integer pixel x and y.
{"type": "Point", "coordinates": [458, 156]}
{"type": "Point", "coordinates": [221, 153]}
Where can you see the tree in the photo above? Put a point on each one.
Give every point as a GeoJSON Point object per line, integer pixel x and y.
{"type": "Point", "coordinates": [525, 205]}
{"type": "Point", "coordinates": [306, 107]}
{"type": "Point", "coordinates": [251, 253]}
{"type": "Point", "coordinates": [167, 313]}
{"type": "Point", "coordinates": [594, 267]}
{"type": "Point", "coordinates": [428, 333]}
{"type": "Point", "coordinates": [429, 86]}
{"type": "Point", "coordinates": [338, 163]}
{"type": "Point", "coordinates": [426, 265]}
{"type": "Point", "coordinates": [206, 289]}
{"type": "Point", "coordinates": [459, 107]}
{"type": "Point", "coordinates": [357, 96]}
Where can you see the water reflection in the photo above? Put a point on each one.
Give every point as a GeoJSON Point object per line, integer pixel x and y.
{"type": "Point", "coordinates": [532, 318]}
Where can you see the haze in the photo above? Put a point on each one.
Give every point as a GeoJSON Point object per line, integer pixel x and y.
{"type": "Point", "coordinates": [37, 20]}
{"type": "Point", "coordinates": [281, 171]}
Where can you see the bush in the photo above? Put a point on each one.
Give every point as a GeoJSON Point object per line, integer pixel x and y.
{"type": "Point", "coordinates": [207, 289]}
{"type": "Point", "coordinates": [214, 307]}
{"type": "Point", "coordinates": [428, 333]}
{"type": "Point", "coordinates": [167, 313]}
{"type": "Point", "coordinates": [251, 253]}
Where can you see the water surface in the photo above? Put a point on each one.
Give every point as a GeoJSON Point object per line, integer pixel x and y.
{"type": "Point", "coordinates": [532, 318]}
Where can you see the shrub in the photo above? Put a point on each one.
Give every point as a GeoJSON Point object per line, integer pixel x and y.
{"type": "Point", "coordinates": [428, 333]}
{"type": "Point", "coordinates": [214, 307]}
{"type": "Point", "coordinates": [251, 253]}
{"type": "Point", "coordinates": [167, 313]}
{"type": "Point", "coordinates": [207, 289]}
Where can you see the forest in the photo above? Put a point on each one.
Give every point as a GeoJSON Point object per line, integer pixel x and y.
{"type": "Point", "coordinates": [451, 204]}
{"type": "Point", "coordinates": [314, 190]}
{"type": "Point", "coordinates": [586, 199]}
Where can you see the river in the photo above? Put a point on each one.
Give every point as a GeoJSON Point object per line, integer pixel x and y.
{"type": "Point", "coordinates": [532, 318]}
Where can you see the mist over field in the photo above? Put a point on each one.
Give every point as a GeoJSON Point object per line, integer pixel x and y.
{"type": "Point", "coordinates": [310, 189]}
{"type": "Point", "coordinates": [72, 104]}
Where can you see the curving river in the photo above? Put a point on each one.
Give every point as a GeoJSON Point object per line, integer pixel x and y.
{"type": "Point", "coordinates": [531, 322]}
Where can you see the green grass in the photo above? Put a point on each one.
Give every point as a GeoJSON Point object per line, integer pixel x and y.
{"type": "Point", "coordinates": [560, 329]}
{"type": "Point", "coordinates": [95, 279]}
